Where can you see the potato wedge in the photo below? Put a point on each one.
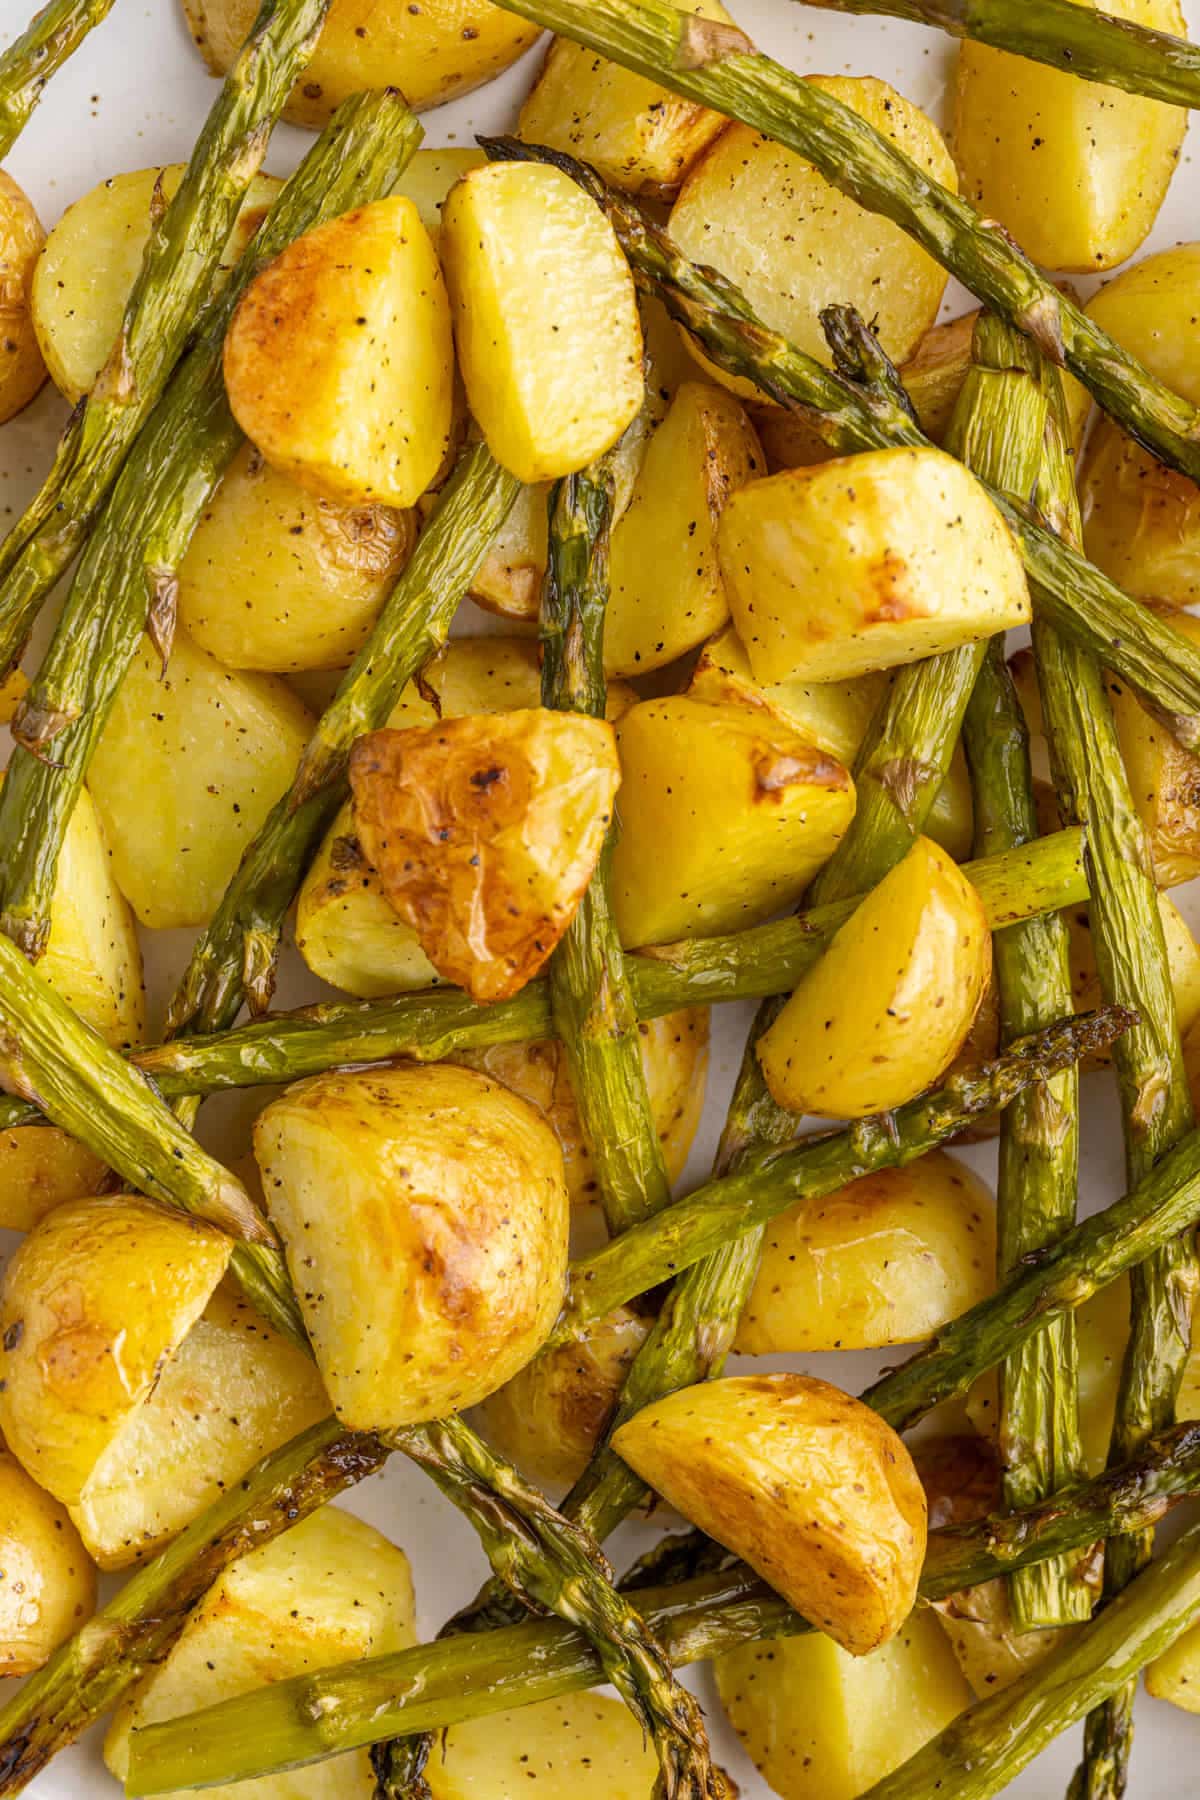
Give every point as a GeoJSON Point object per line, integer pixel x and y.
{"type": "Point", "coordinates": [444, 48]}
{"type": "Point", "coordinates": [724, 818]}
{"type": "Point", "coordinates": [41, 1168]}
{"type": "Point", "coordinates": [865, 563]}
{"type": "Point", "coordinates": [1164, 778]}
{"type": "Point", "coordinates": [545, 318]}
{"type": "Point", "coordinates": [1075, 171]}
{"type": "Point", "coordinates": [424, 1213]}
{"type": "Point", "coordinates": [582, 1747]}
{"type": "Point", "coordinates": [889, 1004]}
{"type": "Point", "coordinates": [809, 1486]}
{"type": "Point", "coordinates": [91, 260]}
{"type": "Point", "coordinates": [331, 1590]}
{"type": "Point", "coordinates": [94, 1301]}
{"type": "Point", "coordinates": [22, 369]}
{"type": "Point", "coordinates": [278, 580]}
{"type": "Point", "coordinates": [886, 1260]}
{"type": "Point", "coordinates": [47, 1583]}
{"type": "Point", "coordinates": [821, 1725]}
{"type": "Point", "coordinates": [233, 1391]}
{"type": "Point", "coordinates": [214, 748]}
{"type": "Point", "coordinates": [339, 362]}
{"type": "Point", "coordinates": [763, 216]}
{"type": "Point", "coordinates": [485, 833]}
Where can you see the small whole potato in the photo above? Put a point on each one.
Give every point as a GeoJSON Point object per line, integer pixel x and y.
{"type": "Point", "coordinates": [47, 1582]}
{"type": "Point", "coordinates": [22, 370]}
{"type": "Point", "coordinates": [807, 1485]}
{"type": "Point", "coordinates": [424, 1214]}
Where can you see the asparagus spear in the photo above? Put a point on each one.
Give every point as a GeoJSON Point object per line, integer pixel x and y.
{"type": "Point", "coordinates": [32, 58]}
{"type": "Point", "coordinates": [1073, 594]}
{"type": "Point", "coordinates": [130, 563]}
{"type": "Point", "coordinates": [714, 63]}
{"type": "Point", "coordinates": [327, 1712]}
{"type": "Point", "coordinates": [178, 269]}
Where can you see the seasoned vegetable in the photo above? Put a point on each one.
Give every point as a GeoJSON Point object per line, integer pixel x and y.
{"type": "Point", "coordinates": [41, 1168]}
{"type": "Point", "coordinates": [27, 63]}
{"type": "Point", "coordinates": [22, 370]}
{"type": "Point", "coordinates": [1183, 958]}
{"type": "Point", "coordinates": [586, 1747]}
{"type": "Point", "coordinates": [47, 1584]}
{"type": "Point", "coordinates": [1164, 778]}
{"type": "Point", "coordinates": [1140, 519]}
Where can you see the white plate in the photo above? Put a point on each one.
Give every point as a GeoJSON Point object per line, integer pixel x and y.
{"type": "Point", "coordinates": [137, 94]}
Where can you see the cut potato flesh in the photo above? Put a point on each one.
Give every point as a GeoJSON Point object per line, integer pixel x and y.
{"type": "Point", "coordinates": [1164, 778]}
{"type": "Point", "coordinates": [47, 1583]}
{"type": "Point", "coordinates": [22, 368]}
{"type": "Point", "coordinates": [1150, 310]}
{"type": "Point", "coordinates": [41, 1168]}
{"type": "Point", "coordinates": [582, 1747]}
{"type": "Point", "coordinates": [1141, 520]}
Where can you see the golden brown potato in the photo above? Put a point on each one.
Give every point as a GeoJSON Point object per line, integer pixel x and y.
{"type": "Point", "coordinates": [865, 563]}
{"type": "Point", "coordinates": [276, 579]}
{"type": "Point", "coordinates": [94, 1301]}
{"type": "Point", "coordinates": [887, 1007]}
{"type": "Point", "coordinates": [725, 817]}
{"type": "Point", "coordinates": [821, 1725]}
{"type": "Point", "coordinates": [443, 48]}
{"type": "Point", "coordinates": [1077, 172]}
{"type": "Point", "coordinates": [47, 1583]}
{"type": "Point", "coordinates": [40, 1168]}
{"type": "Point", "coordinates": [1164, 778]}
{"type": "Point", "coordinates": [214, 749]}
{"type": "Point", "coordinates": [1141, 519]}
{"type": "Point", "coordinates": [581, 1747]}
{"type": "Point", "coordinates": [485, 832]}
{"type": "Point", "coordinates": [424, 1213]}
{"type": "Point", "coordinates": [339, 361]}
{"type": "Point", "coordinates": [330, 1590]}
{"type": "Point", "coordinates": [233, 1391]}
{"type": "Point", "coordinates": [546, 321]}
{"type": "Point", "coordinates": [807, 1485]}
{"type": "Point", "coordinates": [22, 370]}
{"type": "Point", "coordinates": [887, 1259]}
{"type": "Point", "coordinates": [763, 216]}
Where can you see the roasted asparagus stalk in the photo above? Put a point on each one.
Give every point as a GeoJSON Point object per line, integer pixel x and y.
{"type": "Point", "coordinates": [52, 35]}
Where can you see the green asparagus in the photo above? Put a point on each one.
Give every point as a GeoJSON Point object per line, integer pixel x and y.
{"type": "Point", "coordinates": [51, 36]}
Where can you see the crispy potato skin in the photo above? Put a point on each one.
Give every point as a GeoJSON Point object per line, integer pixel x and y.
{"type": "Point", "coordinates": [22, 370]}
{"type": "Point", "coordinates": [485, 832]}
{"type": "Point", "coordinates": [41, 1168]}
{"type": "Point", "coordinates": [47, 1583]}
{"type": "Point", "coordinates": [809, 1486]}
{"type": "Point", "coordinates": [94, 1301]}
{"type": "Point", "coordinates": [886, 1260]}
{"type": "Point", "coordinates": [424, 1213]}
{"type": "Point", "coordinates": [579, 1747]}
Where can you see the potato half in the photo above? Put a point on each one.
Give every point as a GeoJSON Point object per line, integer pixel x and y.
{"type": "Point", "coordinates": [22, 370]}
{"type": "Point", "coordinates": [887, 1007]}
{"type": "Point", "coordinates": [545, 318]}
{"type": "Point", "coordinates": [424, 1213]}
{"type": "Point", "coordinates": [47, 1583]}
{"type": "Point", "coordinates": [807, 1485]}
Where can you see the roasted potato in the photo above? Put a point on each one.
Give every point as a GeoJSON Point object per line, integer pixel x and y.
{"type": "Point", "coordinates": [545, 318]}
{"type": "Point", "coordinates": [1077, 172]}
{"type": "Point", "coordinates": [233, 1391]}
{"type": "Point", "coordinates": [764, 217]}
{"type": "Point", "coordinates": [582, 1747]}
{"type": "Point", "coordinates": [429, 177]}
{"type": "Point", "coordinates": [1183, 961]}
{"type": "Point", "coordinates": [22, 369]}
{"type": "Point", "coordinates": [887, 1007]}
{"type": "Point", "coordinates": [549, 1418]}
{"type": "Point", "coordinates": [865, 563]}
{"type": "Point", "coordinates": [821, 1725]}
{"type": "Point", "coordinates": [424, 1213]}
{"type": "Point", "coordinates": [443, 48]}
{"type": "Point", "coordinates": [214, 749]}
{"type": "Point", "coordinates": [807, 1485]}
{"type": "Point", "coordinates": [47, 1583]}
{"type": "Point", "coordinates": [93, 1303]}
{"type": "Point", "coordinates": [1164, 778]}
{"type": "Point", "coordinates": [888, 1259]}
{"type": "Point", "coordinates": [485, 832]}
{"type": "Point", "coordinates": [640, 137]}
{"type": "Point", "coordinates": [330, 1590]}
{"type": "Point", "coordinates": [725, 817]}
{"type": "Point", "coordinates": [276, 579]}
{"type": "Point", "coordinates": [91, 260]}
{"type": "Point", "coordinates": [1175, 1675]}
{"type": "Point", "coordinates": [1141, 520]}
{"type": "Point", "coordinates": [41, 1168]}
{"type": "Point", "coordinates": [339, 361]}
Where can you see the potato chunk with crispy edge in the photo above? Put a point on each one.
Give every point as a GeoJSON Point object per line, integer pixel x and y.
{"type": "Point", "coordinates": [47, 1582]}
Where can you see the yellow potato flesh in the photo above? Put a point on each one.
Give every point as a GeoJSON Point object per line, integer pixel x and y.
{"type": "Point", "coordinates": [22, 369]}
{"type": "Point", "coordinates": [94, 1301]}
{"type": "Point", "coordinates": [887, 1007]}
{"type": "Point", "coordinates": [1150, 310]}
{"type": "Point", "coordinates": [807, 1485]}
{"type": "Point", "coordinates": [1141, 519]}
{"type": "Point", "coordinates": [432, 1205]}
{"type": "Point", "coordinates": [430, 176]}
{"type": "Point", "coordinates": [47, 1584]}
{"type": "Point", "coordinates": [1077, 172]}
{"type": "Point", "coordinates": [546, 321]}
{"type": "Point", "coordinates": [214, 749]}
{"type": "Point", "coordinates": [582, 1747]}
{"type": "Point", "coordinates": [339, 362]}
{"type": "Point", "coordinates": [41, 1168]}
{"type": "Point", "coordinates": [821, 1725]}
{"type": "Point", "coordinates": [886, 1260]}
{"type": "Point", "coordinates": [865, 563]}
{"type": "Point", "coordinates": [764, 217]}
{"type": "Point", "coordinates": [724, 818]}
{"type": "Point", "coordinates": [1183, 962]}
{"type": "Point", "coordinates": [279, 580]}
{"type": "Point", "coordinates": [1175, 1675]}
{"type": "Point", "coordinates": [1164, 778]}
{"type": "Point", "coordinates": [331, 1590]}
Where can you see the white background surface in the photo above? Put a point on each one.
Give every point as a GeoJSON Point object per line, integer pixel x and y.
{"type": "Point", "coordinates": [137, 94]}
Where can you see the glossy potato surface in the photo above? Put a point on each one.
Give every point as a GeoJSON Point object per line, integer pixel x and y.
{"type": "Point", "coordinates": [22, 369]}
{"type": "Point", "coordinates": [580, 1747]}
{"type": "Point", "coordinates": [47, 1583]}
{"type": "Point", "coordinates": [40, 1168]}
